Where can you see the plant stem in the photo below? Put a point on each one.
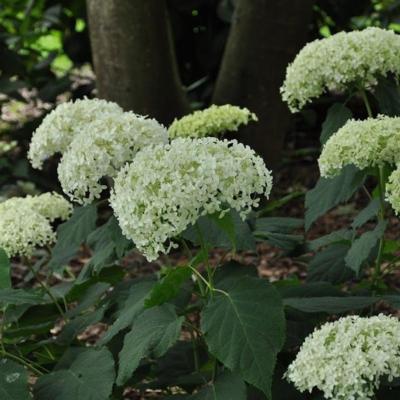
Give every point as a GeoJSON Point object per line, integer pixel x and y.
{"type": "Point", "coordinates": [22, 361]}
{"type": "Point", "coordinates": [47, 290]}
{"type": "Point", "coordinates": [366, 102]}
{"type": "Point", "coordinates": [377, 275]}
{"type": "Point", "coordinates": [205, 250]}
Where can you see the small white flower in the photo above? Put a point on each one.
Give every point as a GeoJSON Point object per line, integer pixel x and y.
{"type": "Point", "coordinates": [25, 222]}
{"type": "Point", "coordinates": [367, 143]}
{"type": "Point", "coordinates": [5, 147]}
{"type": "Point", "coordinates": [167, 188]}
{"type": "Point", "coordinates": [212, 121]}
{"type": "Point", "coordinates": [340, 61]}
{"type": "Point", "coordinates": [346, 359]}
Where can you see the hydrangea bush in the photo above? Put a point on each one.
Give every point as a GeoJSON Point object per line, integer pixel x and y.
{"type": "Point", "coordinates": [197, 321]}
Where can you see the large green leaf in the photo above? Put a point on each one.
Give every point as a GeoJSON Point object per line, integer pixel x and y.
{"type": "Point", "coordinates": [89, 377]}
{"type": "Point", "coordinates": [244, 327]}
{"type": "Point", "coordinates": [337, 116]}
{"type": "Point", "coordinates": [329, 265]}
{"type": "Point", "coordinates": [278, 224]}
{"type": "Point", "coordinates": [20, 296]}
{"type": "Point", "coordinates": [366, 214]}
{"type": "Point", "coordinates": [5, 274]}
{"type": "Point", "coordinates": [169, 286]}
{"type": "Point", "coordinates": [13, 381]}
{"type": "Point", "coordinates": [133, 306]}
{"type": "Point", "coordinates": [226, 386]}
{"type": "Point", "coordinates": [330, 305]}
{"type": "Point", "coordinates": [328, 193]}
{"type": "Point", "coordinates": [363, 246]}
{"type": "Point", "coordinates": [229, 232]}
{"type": "Point", "coordinates": [71, 234]}
{"type": "Point", "coordinates": [342, 236]}
{"type": "Point", "coordinates": [153, 332]}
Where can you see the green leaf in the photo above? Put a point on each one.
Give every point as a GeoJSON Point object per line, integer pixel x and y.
{"type": "Point", "coordinates": [133, 306]}
{"type": "Point", "coordinates": [20, 296]}
{"type": "Point", "coordinates": [363, 246]}
{"type": "Point", "coordinates": [337, 116]}
{"type": "Point", "coordinates": [366, 214]}
{"type": "Point", "coordinates": [284, 241]}
{"type": "Point", "coordinates": [226, 386]}
{"type": "Point", "coordinates": [328, 193]}
{"type": "Point", "coordinates": [71, 234]}
{"type": "Point", "coordinates": [78, 325]}
{"type": "Point", "coordinates": [330, 305]}
{"type": "Point", "coordinates": [89, 377]}
{"type": "Point", "coordinates": [231, 232]}
{"type": "Point", "coordinates": [244, 327]}
{"type": "Point", "coordinates": [153, 332]}
{"type": "Point", "coordinates": [169, 286]}
{"type": "Point", "coordinates": [340, 236]}
{"type": "Point", "coordinates": [387, 94]}
{"type": "Point", "coordinates": [108, 243]}
{"type": "Point", "coordinates": [329, 265]}
{"type": "Point", "coordinates": [5, 273]}
{"type": "Point", "coordinates": [279, 225]}
{"type": "Point", "coordinates": [13, 381]}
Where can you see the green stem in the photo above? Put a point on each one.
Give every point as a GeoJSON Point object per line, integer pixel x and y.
{"type": "Point", "coordinates": [21, 361]}
{"type": "Point", "coordinates": [377, 275]}
{"type": "Point", "coordinates": [366, 102]}
{"type": "Point", "coordinates": [47, 290]}
{"type": "Point", "coordinates": [205, 250]}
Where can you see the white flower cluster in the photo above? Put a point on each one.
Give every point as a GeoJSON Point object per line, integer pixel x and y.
{"type": "Point", "coordinates": [60, 126]}
{"type": "Point", "coordinates": [393, 190]}
{"type": "Point", "coordinates": [346, 359]}
{"type": "Point", "coordinates": [345, 59]}
{"type": "Point", "coordinates": [167, 188]}
{"type": "Point", "coordinates": [212, 121]}
{"type": "Point", "coordinates": [367, 143]}
{"type": "Point", "coordinates": [25, 222]}
{"type": "Point", "coordinates": [95, 138]}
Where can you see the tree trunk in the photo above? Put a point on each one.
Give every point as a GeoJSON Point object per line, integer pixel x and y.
{"type": "Point", "coordinates": [134, 58]}
{"type": "Point", "coordinates": [265, 36]}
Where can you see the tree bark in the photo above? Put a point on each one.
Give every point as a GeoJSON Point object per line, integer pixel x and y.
{"type": "Point", "coordinates": [134, 57]}
{"type": "Point", "coordinates": [265, 36]}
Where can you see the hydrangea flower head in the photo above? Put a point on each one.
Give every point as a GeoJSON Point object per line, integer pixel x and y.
{"type": "Point", "coordinates": [167, 188]}
{"type": "Point", "coordinates": [212, 121]}
{"type": "Point", "coordinates": [109, 143]}
{"type": "Point", "coordinates": [25, 222]}
{"type": "Point", "coordinates": [368, 143]}
{"type": "Point", "coordinates": [342, 60]}
{"type": "Point", "coordinates": [60, 126]}
{"type": "Point", "coordinates": [95, 139]}
{"type": "Point", "coordinates": [346, 359]}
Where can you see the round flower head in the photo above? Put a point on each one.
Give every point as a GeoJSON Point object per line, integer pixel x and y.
{"type": "Point", "coordinates": [167, 188]}
{"type": "Point", "coordinates": [367, 143]}
{"type": "Point", "coordinates": [102, 150]}
{"type": "Point", "coordinates": [61, 125]}
{"type": "Point", "coordinates": [25, 222]}
{"type": "Point", "coordinates": [346, 359]}
{"type": "Point", "coordinates": [342, 60]}
{"type": "Point", "coordinates": [212, 121]}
